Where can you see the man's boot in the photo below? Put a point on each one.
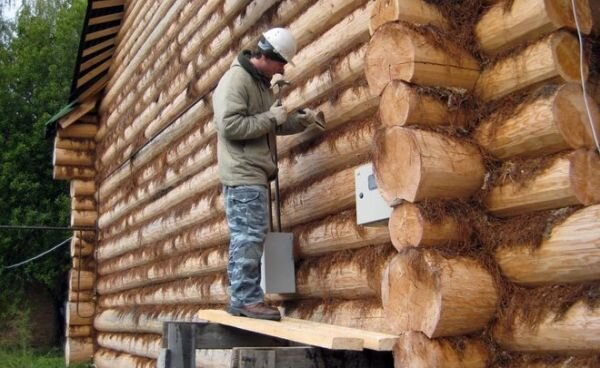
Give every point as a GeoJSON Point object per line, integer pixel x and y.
{"type": "Point", "coordinates": [258, 310]}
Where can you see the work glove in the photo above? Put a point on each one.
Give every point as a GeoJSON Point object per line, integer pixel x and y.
{"type": "Point", "coordinates": [310, 118]}
{"type": "Point", "coordinates": [279, 113]}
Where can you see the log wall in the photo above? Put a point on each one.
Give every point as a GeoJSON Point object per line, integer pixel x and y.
{"type": "Point", "coordinates": [398, 88]}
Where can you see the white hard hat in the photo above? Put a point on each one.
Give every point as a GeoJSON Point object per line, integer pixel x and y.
{"type": "Point", "coordinates": [281, 41]}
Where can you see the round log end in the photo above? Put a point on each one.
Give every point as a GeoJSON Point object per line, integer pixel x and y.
{"type": "Point", "coordinates": [572, 117]}
{"type": "Point", "coordinates": [78, 350]}
{"type": "Point", "coordinates": [413, 165]}
{"type": "Point", "coordinates": [397, 162]}
{"type": "Point", "coordinates": [390, 56]}
{"type": "Point", "coordinates": [397, 100]}
{"type": "Point", "coordinates": [585, 176]}
{"type": "Point", "coordinates": [565, 49]}
{"type": "Point", "coordinates": [406, 226]}
{"type": "Point", "coordinates": [415, 350]}
{"type": "Point", "coordinates": [561, 13]}
{"type": "Point", "coordinates": [384, 11]}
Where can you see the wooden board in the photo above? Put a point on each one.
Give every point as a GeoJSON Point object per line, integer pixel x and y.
{"type": "Point", "coordinates": [306, 332]}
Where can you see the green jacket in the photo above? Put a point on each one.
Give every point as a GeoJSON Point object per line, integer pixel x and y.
{"type": "Point", "coordinates": [241, 104]}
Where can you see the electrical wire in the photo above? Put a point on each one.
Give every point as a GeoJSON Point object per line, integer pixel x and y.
{"type": "Point", "coordinates": [39, 255]}
{"type": "Point", "coordinates": [583, 84]}
{"type": "Point", "coordinates": [42, 227]}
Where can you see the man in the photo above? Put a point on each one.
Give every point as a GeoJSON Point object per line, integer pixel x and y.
{"type": "Point", "coordinates": [247, 118]}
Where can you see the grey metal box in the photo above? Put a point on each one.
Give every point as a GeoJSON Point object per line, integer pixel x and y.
{"type": "Point", "coordinates": [277, 266]}
{"type": "Point", "coordinates": [371, 208]}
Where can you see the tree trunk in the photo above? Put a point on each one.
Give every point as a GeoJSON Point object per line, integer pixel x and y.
{"type": "Point", "coordinates": [553, 58]}
{"type": "Point", "coordinates": [198, 263]}
{"type": "Point", "coordinates": [71, 172]}
{"type": "Point", "coordinates": [66, 157]}
{"type": "Point", "coordinates": [572, 179]}
{"type": "Point", "coordinates": [78, 130]}
{"type": "Point", "coordinates": [422, 291]}
{"type": "Point", "coordinates": [577, 331]}
{"type": "Point", "coordinates": [499, 30]}
{"type": "Point", "coordinates": [79, 313]}
{"type": "Point", "coordinates": [415, 350]}
{"type": "Point", "coordinates": [404, 104]}
{"type": "Point", "coordinates": [409, 227]}
{"type": "Point", "coordinates": [83, 218]}
{"type": "Point", "coordinates": [396, 52]}
{"type": "Point", "coordinates": [78, 350]}
{"type": "Point", "coordinates": [549, 124]}
{"type": "Point", "coordinates": [570, 254]}
{"type": "Point", "coordinates": [414, 165]}
{"type": "Point", "coordinates": [410, 11]}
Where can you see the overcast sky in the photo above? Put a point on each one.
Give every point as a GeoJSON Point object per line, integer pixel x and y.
{"type": "Point", "coordinates": [9, 12]}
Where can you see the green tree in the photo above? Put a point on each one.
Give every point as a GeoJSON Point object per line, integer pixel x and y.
{"type": "Point", "coordinates": [37, 57]}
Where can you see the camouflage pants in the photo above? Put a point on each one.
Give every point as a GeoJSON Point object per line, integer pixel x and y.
{"type": "Point", "coordinates": [247, 214]}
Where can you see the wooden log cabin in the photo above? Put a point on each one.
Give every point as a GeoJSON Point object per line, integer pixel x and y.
{"type": "Point", "coordinates": [472, 113]}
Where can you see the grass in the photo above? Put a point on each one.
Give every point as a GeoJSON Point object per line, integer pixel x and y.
{"type": "Point", "coordinates": [34, 359]}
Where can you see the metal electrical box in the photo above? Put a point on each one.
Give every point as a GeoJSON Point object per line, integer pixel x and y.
{"type": "Point", "coordinates": [371, 208]}
{"type": "Point", "coordinates": [277, 264]}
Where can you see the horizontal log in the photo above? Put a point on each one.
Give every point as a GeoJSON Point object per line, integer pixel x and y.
{"type": "Point", "coordinates": [572, 179]}
{"type": "Point", "coordinates": [576, 331]}
{"type": "Point", "coordinates": [409, 227]}
{"type": "Point", "coordinates": [78, 350]}
{"type": "Point", "coordinates": [82, 188]}
{"type": "Point", "coordinates": [80, 296]}
{"type": "Point", "coordinates": [569, 254]}
{"type": "Point", "coordinates": [80, 280]}
{"type": "Point", "coordinates": [67, 157]}
{"type": "Point", "coordinates": [499, 30]}
{"type": "Point", "coordinates": [546, 125]}
{"type": "Point", "coordinates": [347, 34]}
{"type": "Point", "coordinates": [72, 172]}
{"type": "Point", "coordinates": [83, 204]}
{"type": "Point", "coordinates": [104, 358]}
{"type": "Point", "coordinates": [74, 144]}
{"type": "Point", "coordinates": [83, 218]}
{"type": "Point", "coordinates": [79, 313]}
{"type": "Point", "coordinates": [365, 314]}
{"type": "Point", "coordinates": [80, 247]}
{"type": "Point", "coordinates": [193, 290]}
{"type": "Point", "coordinates": [553, 58]}
{"type": "Point", "coordinates": [415, 350]}
{"type": "Point", "coordinates": [79, 131]}
{"type": "Point", "coordinates": [336, 234]}
{"type": "Point", "coordinates": [410, 11]}
{"type": "Point", "coordinates": [422, 291]}
{"type": "Point", "coordinates": [198, 263]}
{"type": "Point", "coordinates": [146, 345]}
{"type": "Point", "coordinates": [143, 321]}
{"type": "Point", "coordinates": [414, 165]}
{"type": "Point", "coordinates": [79, 331]}
{"type": "Point", "coordinates": [205, 236]}
{"type": "Point", "coordinates": [350, 148]}
{"type": "Point", "coordinates": [405, 104]}
{"type": "Point", "coordinates": [355, 103]}
{"type": "Point", "coordinates": [534, 360]}
{"type": "Point", "coordinates": [398, 52]}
